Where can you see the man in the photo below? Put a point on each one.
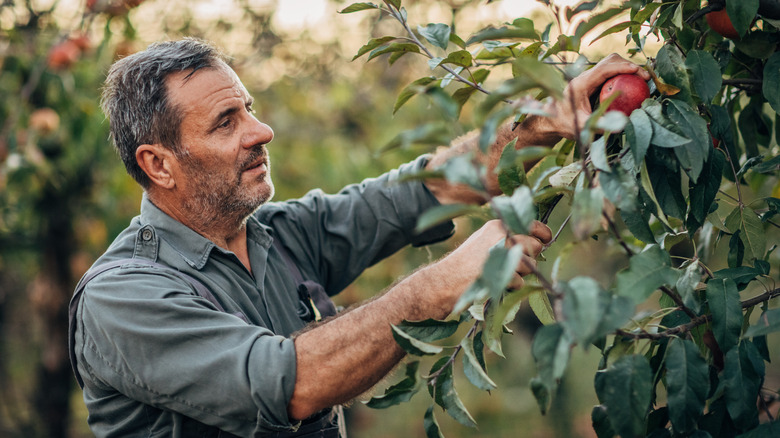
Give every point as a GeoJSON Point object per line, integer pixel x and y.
{"type": "Point", "coordinates": [158, 358]}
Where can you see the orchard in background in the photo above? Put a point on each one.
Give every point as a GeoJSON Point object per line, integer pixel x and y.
{"type": "Point", "coordinates": [686, 186]}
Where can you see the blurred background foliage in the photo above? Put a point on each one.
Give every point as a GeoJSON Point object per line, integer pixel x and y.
{"type": "Point", "coordinates": [64, 194]}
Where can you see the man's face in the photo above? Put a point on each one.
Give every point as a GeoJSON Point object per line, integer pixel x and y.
{"type": "Point", "coordinates": [224, 161]}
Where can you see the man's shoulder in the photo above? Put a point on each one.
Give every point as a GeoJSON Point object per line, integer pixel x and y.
{"type": "Point", "coordinates": [123, 244]}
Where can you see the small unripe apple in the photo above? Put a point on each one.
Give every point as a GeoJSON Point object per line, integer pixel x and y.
{"type": "Point", "coordinates": [633, 91]}
{"type": "Point", "coordinates": [720, 22]}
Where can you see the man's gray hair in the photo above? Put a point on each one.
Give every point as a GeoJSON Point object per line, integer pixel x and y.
{"type": "Point", "coordinates": [136, 100]}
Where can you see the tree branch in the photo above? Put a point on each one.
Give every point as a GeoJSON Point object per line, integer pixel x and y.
{"type": "Point", "coordinates": [697, 321]}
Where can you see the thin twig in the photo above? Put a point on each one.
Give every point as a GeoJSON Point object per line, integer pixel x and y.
{"type": "Point", "coordinates": [432, 377]}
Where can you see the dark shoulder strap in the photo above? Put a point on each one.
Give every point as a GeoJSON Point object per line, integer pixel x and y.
{"type": "Point", "coordinates": [291, 266]}
{"type": "Point", "coordinates": [200, 288]}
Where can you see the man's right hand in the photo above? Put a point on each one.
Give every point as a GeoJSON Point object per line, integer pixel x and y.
{"type": "Point", "coordinates": [467, 261]}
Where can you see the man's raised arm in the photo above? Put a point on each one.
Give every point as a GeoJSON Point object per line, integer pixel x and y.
{"type": "Point", "coordinates": [533, 131]}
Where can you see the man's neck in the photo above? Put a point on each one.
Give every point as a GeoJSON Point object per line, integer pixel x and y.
{"type": "Point", "coordinates": [226, 232]}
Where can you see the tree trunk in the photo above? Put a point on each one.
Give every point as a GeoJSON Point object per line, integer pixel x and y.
{"type": "Point", "coordinates": [50, 294]}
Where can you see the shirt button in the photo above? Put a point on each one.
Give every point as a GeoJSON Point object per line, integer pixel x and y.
{"type": "Point", "coordinates": [146, 234]}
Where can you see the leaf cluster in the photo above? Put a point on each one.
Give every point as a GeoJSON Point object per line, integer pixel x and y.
{"type": "Point", "coordinates": [686, 187]}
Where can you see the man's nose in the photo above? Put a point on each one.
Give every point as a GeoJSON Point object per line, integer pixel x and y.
{"type": "Point", "coordinates": [260, 133]}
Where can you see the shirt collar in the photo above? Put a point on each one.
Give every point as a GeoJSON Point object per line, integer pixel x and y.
{"type": "Point", "coordinates": [194, 248]}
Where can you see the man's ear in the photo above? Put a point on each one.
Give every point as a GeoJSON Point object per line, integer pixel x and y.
{"type": "Point", "coordinates": [158, 163]}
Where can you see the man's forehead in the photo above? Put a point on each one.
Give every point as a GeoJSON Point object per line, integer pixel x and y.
{"type": "Point", "coordinates": [196, 85]}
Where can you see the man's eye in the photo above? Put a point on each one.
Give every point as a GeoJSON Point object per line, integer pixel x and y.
{"type": "Point", "coordinates": [225, 123]}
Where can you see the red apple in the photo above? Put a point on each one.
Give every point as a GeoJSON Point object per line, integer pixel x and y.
{"type": "Point", "coordinates": [633, 91]}
{"type": "Point", "coordinates": [720, 22]}
{"type": "Point", "coordinates": [63, 55]}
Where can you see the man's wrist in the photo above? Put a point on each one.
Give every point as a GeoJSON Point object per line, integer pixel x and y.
{"type": "Point", "coordinates": [538, 130]}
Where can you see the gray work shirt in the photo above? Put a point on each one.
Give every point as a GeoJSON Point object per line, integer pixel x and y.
{"type": "Point", "coordinates": [154, 356]}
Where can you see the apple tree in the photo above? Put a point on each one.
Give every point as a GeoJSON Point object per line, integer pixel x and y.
{"type": "Point", "coordinates": [685, 185]}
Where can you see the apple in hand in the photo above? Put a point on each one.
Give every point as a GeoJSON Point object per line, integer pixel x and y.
{"type": "Point", "coordinates": [633, 91]}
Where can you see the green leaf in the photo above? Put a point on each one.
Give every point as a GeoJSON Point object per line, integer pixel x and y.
{"type": "Point", "coordinates": [458, 41]}
{"type": "Point", "coordinates": [751, 231]}
{"type": "Point", "coordinates": [518, 211]}
{"type": "Point", "coordinates": [742, 275]}
{"type": "Point", "coordinates": [666, 138]}
{"type": "Point", "coordinates": [667, 186]}
{"type": "Point", "coordinates": [743, 372]}
{"type": "Point", "coordinates": [449, 108]}
{"type": "Point", "coordinates": [639, 133]}
{"type": "Point", "coordinates": [598, 153]}
{"type": "Point", "coordinates": [414, 346]}
{"type": "Point", "coordinates": [769, 166]}
{"type": "Point", "coordinates": [771, 81]}
{"type": "Point", "coordinates": [598, 416]}
{"type": "Point", "coordinates": [436, 133]}
{"type": "Point", "coordinates": [446, 397]}
{"type": "Point", "coordinates": [401, 392]}
{"type": "Point", "coordinates": [541, 306]}
{"type": "Point", "coordinates": [620, 188]}
{"type": "Point", "coordinates": [430, 424]}
{"type": "Point", "coordinates": [443, 213]}
{"type": "Point", "coordinates": [742, 14]}
{"type": "Point", "coordinates": [626, 389]}
{"type": "Point", "coordinates": [723, 297]}
{"type": "Point", "coordinates": [704, 74]}
{"type": "Point", "coordinates": [472, 368]}
{"type": "Point", "coordinates": [394, 48]}
{"type": "Point", "coordinates": [648, 270]}
{"type": "Point", "coordinates": [687, 384]}
{"type": "Point", "coordinates": [670, 66]}
{"type": "Point", "coordinates": [429, 330]}
{"type": "Point", "coordinates": [645, 13]}
{"type": "Point", "coordinates": [686, 286]}
{"type": "Point", "coordinates": [499, 313]}
{"type": "Point", "coordinates": [461, 58]}
{"type": "Point", "coordinates": [757, 44]}
{"type": "Point", "coordinates": [619, 27]}
{"type": "Point", "coordinates": [590, 311]}
{"type": "Point", "coordinates": [373, 44]}
{"type": "Point", "coordinates": [766, 430]}
{"type": "Point", "coordinates": [691, 155]}
{"type": "Point", "coordinates": [544, 76]}
{"type": "Point", "coordinates": [417, 87]}
{"type": "Point", "coordinates": [596, 19]}
{"type": "Point", "coordinates": [754, 125]}
{"type": "Point", "coordinates": [551, 350]}
{"type": "Point", "coordinates": [702, 193]}
{"type": "Point", "coordinates": [355, 7]}
{"type": "Point", "coordinates": [586, 212]}
{"type": "Point", "coordinates": [437, 34]}
{"type": "Point", "coordinates": [497, 273]}
{"type": "Point", "coordinates": [768, 322]}
{"type": "Point", "coordinates": [510, 172]}
{"type": "Point", "coordinates": [493, 33]}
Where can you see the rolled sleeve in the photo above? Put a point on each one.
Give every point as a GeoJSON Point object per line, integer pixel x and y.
{"type": "Point", "coordinates": [158, 343]}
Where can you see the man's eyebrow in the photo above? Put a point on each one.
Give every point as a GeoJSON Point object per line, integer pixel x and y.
{"type": "Point", "coordinates": [226, 112]}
